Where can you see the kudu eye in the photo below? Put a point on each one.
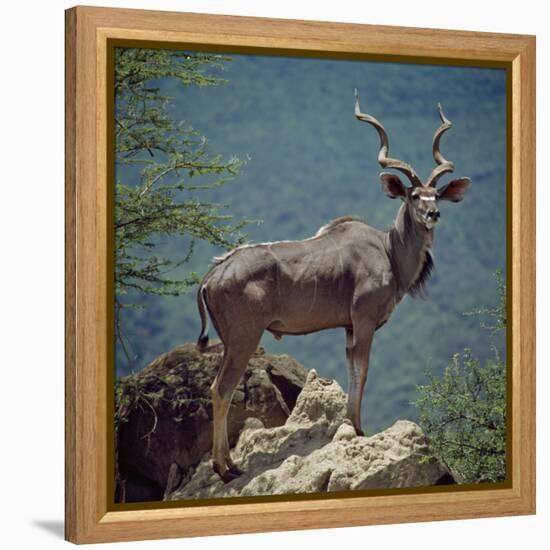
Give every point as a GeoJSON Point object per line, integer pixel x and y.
{"type": "Point", "coordinates": [415, 196]}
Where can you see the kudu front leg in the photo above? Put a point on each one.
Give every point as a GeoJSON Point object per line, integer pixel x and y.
{"type": "Point", "coordinates": [358, 346]}
{"type": "Point", "coordinates": [352, 378]}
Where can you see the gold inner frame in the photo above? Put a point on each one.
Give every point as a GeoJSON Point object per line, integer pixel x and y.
{"type": "Point", "coordinates": [112, 44]}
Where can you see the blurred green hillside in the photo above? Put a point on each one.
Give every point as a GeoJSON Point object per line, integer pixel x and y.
{"type": "Point", "coordinates": [309, 161]}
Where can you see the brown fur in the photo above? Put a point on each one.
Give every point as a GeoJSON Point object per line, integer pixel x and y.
{"type": "Point", "coordinates": [348, 275]}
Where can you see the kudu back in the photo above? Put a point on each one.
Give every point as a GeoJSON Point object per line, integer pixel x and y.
{"type": "Point", "coordinates": [347, 275]}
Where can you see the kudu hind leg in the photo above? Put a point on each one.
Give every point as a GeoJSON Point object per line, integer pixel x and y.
{"type": "Point", "coordinates": [233, 366]}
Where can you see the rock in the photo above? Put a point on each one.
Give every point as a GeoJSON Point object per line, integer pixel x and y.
{"type": "Point", "coordinates": [317, 450]}
{"type": "Point", "coordinates": [165, 414]}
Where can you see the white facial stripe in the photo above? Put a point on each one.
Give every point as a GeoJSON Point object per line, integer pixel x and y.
{"type": "Point", "coordinates": [427, 198]}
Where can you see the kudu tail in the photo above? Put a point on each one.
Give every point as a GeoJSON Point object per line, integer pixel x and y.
{"type": "Point", "coordinates": [202, 342]}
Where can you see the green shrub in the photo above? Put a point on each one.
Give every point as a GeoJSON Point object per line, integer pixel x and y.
{"type": "Point", "coordinates": [463, 412]}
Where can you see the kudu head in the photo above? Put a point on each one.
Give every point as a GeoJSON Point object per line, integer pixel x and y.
{"type": "Point", "coordinates": [421, 198]}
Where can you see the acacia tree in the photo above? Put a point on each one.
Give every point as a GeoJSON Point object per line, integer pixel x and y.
{"type": "Point", "coordinates": [464, 412]}
{"type": "Point", "coordinates": [161, 165]}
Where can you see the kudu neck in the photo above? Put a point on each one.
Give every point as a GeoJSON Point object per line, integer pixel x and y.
{"type": "Point", "coordinates": [409, 245]}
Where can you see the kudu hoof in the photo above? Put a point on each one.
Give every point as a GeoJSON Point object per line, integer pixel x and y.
{"type": "Point", "coordinates": [358, 430]}
{"type": "Point", "coordinates": [235, 470]}
{"type": "Point", "coordinates": [228, 474]}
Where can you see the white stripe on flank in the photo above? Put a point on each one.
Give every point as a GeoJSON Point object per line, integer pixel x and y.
{"type": "Point", "coordinates": [223, 257]}
{"type": "Point", "coordinates": [322, 230]}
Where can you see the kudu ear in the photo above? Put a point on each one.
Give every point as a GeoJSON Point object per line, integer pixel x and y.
{"type": "Point", "coordinates": [393, 186]}
{"type": "Point", "coordinates": [454, 191]}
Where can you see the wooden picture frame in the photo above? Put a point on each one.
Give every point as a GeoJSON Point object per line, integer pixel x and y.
{"type": "Point", "coordinates": [88, 516]}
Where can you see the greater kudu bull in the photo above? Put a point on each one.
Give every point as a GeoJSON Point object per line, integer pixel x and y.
{"type": "Point", "coordinates": [348, 275]}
